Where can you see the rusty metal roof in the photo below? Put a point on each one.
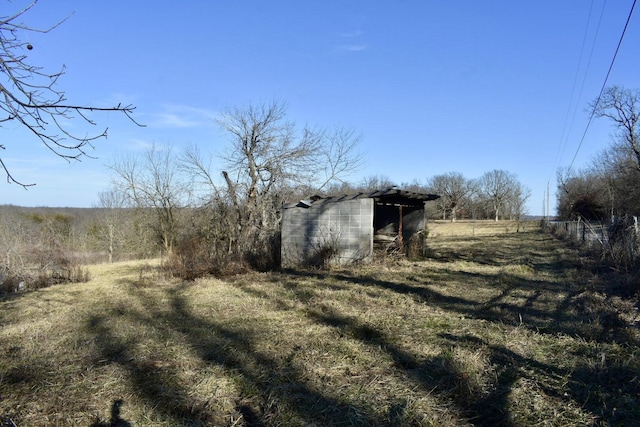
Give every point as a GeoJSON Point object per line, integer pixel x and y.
{"type": "Point", "coordinates": [389, 196]}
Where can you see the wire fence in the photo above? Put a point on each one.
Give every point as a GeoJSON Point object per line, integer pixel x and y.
{"type": "Point", "coordinates": [582, 231]}
{"type": "Point", "coordinates": [618, 240]}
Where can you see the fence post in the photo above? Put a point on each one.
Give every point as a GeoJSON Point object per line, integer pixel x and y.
{"type": "Point", "coordinates": [578, 229]}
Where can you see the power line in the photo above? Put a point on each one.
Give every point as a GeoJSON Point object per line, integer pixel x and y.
{"type": "Point", "coordinates": [604, 84]}
{"type": "Point", "coordinates": [563, 146]}
{"type": "Point", "coordinates": [565, 132]}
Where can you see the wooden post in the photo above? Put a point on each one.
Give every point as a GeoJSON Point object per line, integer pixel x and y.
{"type": "Point", "coordinates": [425, 219]}
{"type": "Point", "coordinates": [400, 242]}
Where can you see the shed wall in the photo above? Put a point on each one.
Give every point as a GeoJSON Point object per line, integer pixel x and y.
{"type": "Point", "coordinates": [346, 225]}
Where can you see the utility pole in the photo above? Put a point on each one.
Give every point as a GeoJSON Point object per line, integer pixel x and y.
{"type": "Point", "coordinates": [547, 200]}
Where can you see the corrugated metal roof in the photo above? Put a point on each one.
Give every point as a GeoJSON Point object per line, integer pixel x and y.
{"type": "Point", "coordinates": [392, 195]}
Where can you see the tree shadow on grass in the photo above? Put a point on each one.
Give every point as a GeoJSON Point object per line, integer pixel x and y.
{"type": "Point", "coordinates": [269, 386]}
{"type": "Point", "coordinates": [520, 302]}
{"type": "Point", "coordinates": [542, 306]}
{"type": "Point", "coordinates": [608, 393]}
{"type": "Point", "coordinates": [436, 374]}
{"type": "Point", "coordinates": [272, 381]}
{"type": "Point", "coordinates": [153, 380]}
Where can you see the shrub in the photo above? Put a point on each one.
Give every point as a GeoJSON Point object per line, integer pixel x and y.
{"type": "Point", "coordinates": [195, 256]}
{"type": "Point", "coordinates": [192, 257]}
{"type": "Point", "coordinates": [264, 252]}
{"type": "Point", "coordinates": [623, 246]}
{"type": "Point", "coordinates": [9, 284]}
{"type": "Point", "coordinates": [416, 246]}
{"type": "Point", "coordinates": [325, 251]}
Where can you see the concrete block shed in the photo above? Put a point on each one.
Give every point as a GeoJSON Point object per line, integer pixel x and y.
{"type": "Point", "coordinates": [345, 228]}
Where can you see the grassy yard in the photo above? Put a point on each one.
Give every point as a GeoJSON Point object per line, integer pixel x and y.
{"type": "Point", "coordinates": [495, 328]}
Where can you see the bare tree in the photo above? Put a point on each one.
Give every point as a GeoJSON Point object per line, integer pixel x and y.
{"type": "Point", "coordinates": [268, 160]}
{"type": "Point", "coordinates": [516, 202]}
{"type": "Point", "coordinates": [268, 153]}
{"type": "Point", "coordinates": [30, 97]}
{"type": "Point", "coordinates": [497, 186]}
{"type": "Point", "coordinates": [153, 183]}
{"type": "Point", "coordinates": [265, 149]}
{"type": "Point", "coordinates": [454, 190]}
{"type": "Point", "coordinates": [110, 228]}
{"type": "Point", "coordinates": [622, 106]}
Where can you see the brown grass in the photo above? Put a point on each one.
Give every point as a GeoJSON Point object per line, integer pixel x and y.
{"type": "Point", "coordinates": [440, 228]}
{"type": "Point", "coordinates": [497, 328]}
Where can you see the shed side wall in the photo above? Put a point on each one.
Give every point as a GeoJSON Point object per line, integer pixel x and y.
{"type": "Point", "coordinates": [346, 225]}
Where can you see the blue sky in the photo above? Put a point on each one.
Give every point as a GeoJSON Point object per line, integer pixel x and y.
{"type": "Point", "coordinates": [433, 86]}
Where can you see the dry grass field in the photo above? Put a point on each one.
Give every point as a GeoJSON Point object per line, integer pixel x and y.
{"type": "Point", "coordinates": [495, 328]}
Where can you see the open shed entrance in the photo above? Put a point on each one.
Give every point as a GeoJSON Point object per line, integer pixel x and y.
{"type": "Point", "coordinates": [395, 221]}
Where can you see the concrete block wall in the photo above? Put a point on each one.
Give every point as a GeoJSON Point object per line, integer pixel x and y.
{"type": "Point", "coordinates": [346, 225]}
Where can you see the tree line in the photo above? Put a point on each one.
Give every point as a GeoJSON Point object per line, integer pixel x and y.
{"type": "Point", "coordinates": [608, 187]}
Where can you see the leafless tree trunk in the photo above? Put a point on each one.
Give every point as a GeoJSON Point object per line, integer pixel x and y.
{"type": "Point", "coordinates": [268, 155]}
{"type": "Point", "coordinates": [112, 226]}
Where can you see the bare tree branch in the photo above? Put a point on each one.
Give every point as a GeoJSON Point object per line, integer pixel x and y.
{"type": "Point", "coordinates": [339, 155]}
{"type": "Point", "coordinates": [622, 106]}
{"type": "Point", "coordinates": [29, 96]}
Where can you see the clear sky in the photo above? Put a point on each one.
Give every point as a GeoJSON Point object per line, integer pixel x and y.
{"type": "Point", "coordinates": [433, 86]}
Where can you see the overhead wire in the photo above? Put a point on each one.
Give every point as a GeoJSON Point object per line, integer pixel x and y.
{"type": "Point", "coordinates": [575, 101]}
{"type": "Point", "coordinates": [566, 135]}
{"type": "Point", "coordinates": [604, 84]}
{"type": "Point", "coordinates": [566, 129]}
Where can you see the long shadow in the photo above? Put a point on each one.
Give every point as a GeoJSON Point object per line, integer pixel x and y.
{"type": "Point", "coordinates": [589, 385]}
{"type": "Point", "coordinates": [491, 409]}
{"type": "Point", "coordinates": [540, 305]}
{"type": "Point", "coordinates": [438, 374]}
{"type": "Point", "coordinates": [234, 349]}
{"type": "Point", "coordinates": [266, 378]}
{"type": "Point", "coordinates": [493, 309]}
{"type": "Point", "coordinates": [152, 381]}
{"type": "Point", "coordinates": [116, 420]}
